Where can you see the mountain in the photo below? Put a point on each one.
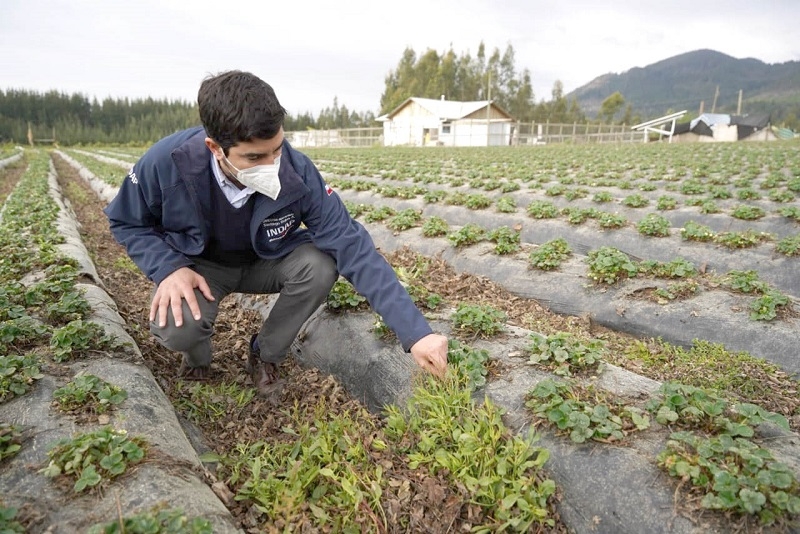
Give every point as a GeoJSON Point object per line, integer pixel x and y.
{"type": "Point", "coordinates": [683, 81]}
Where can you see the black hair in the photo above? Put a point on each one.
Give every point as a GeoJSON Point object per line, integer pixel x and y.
{"type": "Point", "coordinates": [238, 106]}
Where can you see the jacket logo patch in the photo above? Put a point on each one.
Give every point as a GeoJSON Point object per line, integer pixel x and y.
{"type": "Point", "coordinates": [277, 228]}
{"type": "Point", "coordinates": [328, 190]}
{"type": "Point", "coordinates": [134, 180]}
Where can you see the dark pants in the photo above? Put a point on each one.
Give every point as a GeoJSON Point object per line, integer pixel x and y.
{"type": "Point", "coordinates": [303, 278]}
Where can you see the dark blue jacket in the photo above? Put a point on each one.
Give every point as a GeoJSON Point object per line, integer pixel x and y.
{"type": "Point", "coordinates": [160, 216]}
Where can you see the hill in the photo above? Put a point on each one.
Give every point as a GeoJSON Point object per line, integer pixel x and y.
{"type": "Point", "coordinates": [683, 81]}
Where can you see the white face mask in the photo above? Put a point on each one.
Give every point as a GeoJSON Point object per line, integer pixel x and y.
{"type": "Point", "coordinates": [261, 178]}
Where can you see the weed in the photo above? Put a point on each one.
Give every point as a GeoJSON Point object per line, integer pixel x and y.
{"type": "Point", "coordinates": [444, 431]}
{"type": "Point", "coordinates": [324, 465]}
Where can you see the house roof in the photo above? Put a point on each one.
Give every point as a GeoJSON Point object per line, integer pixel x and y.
{"type": "Point", "coordinates": [445, 109]}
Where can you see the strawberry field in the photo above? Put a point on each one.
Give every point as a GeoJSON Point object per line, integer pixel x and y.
{"type": "Point", "coordinates": [628, 313]}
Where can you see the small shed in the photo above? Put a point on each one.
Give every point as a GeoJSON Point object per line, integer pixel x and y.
{"type": "Point", "coordinates": [431, 122]}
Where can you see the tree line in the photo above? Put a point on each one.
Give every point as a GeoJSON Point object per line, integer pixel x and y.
{"type": "Point", "coordinates": [466, 78]}
{"type": "Point", "coordinates": [30, 116]}
{"type": "Point", "coordinates": [53, 116]}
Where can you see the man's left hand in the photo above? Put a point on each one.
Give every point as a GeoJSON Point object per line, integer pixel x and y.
{"type": "Point", "coordinates": [430, 353]}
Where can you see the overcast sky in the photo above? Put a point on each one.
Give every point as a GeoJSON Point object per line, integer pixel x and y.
{"type": "Point", "coordinates": [313, 50]}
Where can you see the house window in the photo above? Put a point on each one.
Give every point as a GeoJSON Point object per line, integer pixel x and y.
{"type": "Point", "coordinates": [445, 128]}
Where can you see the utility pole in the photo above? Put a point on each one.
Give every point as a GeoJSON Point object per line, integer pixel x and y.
{"type": "Point", "coordinates": [739, 106]}
{"type": "Point", "coordinates": [701, 107]}
{"type": "Point", "coordinates": [714, 105]}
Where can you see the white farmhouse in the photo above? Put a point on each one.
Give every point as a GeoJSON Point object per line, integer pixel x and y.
{"type": "Point", "coordinates": [431, 122]}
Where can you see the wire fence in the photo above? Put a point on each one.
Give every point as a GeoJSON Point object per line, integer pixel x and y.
{"type": "Point", "coordinates": [515, 134]}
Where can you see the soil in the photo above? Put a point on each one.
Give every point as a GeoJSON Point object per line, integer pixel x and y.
{"type": "Point", "coordinates": [413, 497]}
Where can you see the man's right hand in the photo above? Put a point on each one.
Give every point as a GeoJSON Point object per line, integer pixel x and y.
{"type": "Point", "coordinates": [173, 290]}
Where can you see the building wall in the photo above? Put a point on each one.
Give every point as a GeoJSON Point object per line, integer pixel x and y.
{"type": "Point", "coordinates": [415, 126]}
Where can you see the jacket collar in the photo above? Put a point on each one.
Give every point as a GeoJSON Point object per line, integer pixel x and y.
{"type": "Point", "coordinates": [194, 167]}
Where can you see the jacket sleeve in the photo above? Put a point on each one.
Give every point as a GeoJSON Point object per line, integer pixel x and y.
{"type": "Point", "coordinates": [135, 220]}
{"type": "Point", "coordinates": [335, 232]}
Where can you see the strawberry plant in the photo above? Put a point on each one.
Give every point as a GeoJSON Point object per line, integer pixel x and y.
{"type": "Point", "coordinates": [653, 225]}
{"type": "Point", "coordinates": [478, 320]}
{"type": "Point", "coordinates": [10, 441]}
{"type": "Point", "coordinates": [542, 209]}
{"type": "Point", "coordinates": [550, 255]}
{"type": "Point", "coordinates": [471, 362]}
{"type": "Point", "coordinates": [564, 353]}
{"type": "Point", "coordinates": [435, 226]}
{"type": "Point", "coordinates": [156, 521]}
{"type": "Point", "coordinates": [609, 420]}
{"type": "Point", "coordinates": [343, 296]}
{"type": "Point", "coordinates": [506, 240]}
{"type": "Point", "coordinates": [608, 265]}
{"type": "Point", "coordinates": [88, 393]}
{"type": "Point", "coordinates": [469, 234]}
{"type": "Point", "coordinates": [94, 457]}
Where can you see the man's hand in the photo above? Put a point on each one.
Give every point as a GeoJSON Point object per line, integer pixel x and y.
{"type": "Point", "coordinates": [172, 290]}
{"type": "Point", "coordinates": [430, 353]}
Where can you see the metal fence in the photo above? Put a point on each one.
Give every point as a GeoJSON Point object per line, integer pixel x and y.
{"type": "Point", "coordinates": [521, 134]}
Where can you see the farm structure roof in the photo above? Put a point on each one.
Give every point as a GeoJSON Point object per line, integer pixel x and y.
{"type": "Point", "coordinates": [724, 127]}
{"type": "Point", "coordinates": [449, 109]}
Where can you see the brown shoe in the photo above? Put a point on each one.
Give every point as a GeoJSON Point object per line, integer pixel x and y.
{"type": "Point", "coordinates": [265, 376]}
{"type": "Point", "coordinates": [193, 374]}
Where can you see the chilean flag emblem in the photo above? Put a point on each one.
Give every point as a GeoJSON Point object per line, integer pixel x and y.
{"type": "Point", "coordinates": [328, 190]}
